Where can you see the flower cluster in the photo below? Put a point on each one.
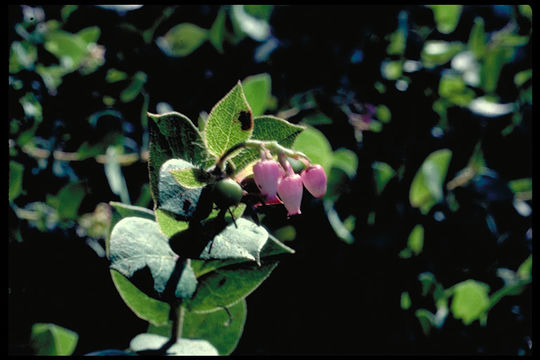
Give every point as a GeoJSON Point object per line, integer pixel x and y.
{"type": "Point", "coordinates": [278, 179]}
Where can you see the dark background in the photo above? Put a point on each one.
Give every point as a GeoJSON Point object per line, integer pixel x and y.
{"type": "Point", "coordinates": [329, 297]}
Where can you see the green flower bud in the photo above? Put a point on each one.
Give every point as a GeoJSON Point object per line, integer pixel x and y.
{"type": "Point", "coordinates": [227, 192]}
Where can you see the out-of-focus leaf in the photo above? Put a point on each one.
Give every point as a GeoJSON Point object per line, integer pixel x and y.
{"type": "Point", "coordinates": [405, 300]}
{"type": "Point", "coordinates": [257, 89]}
{"type": "Point", "coordinates": [134, 88]}
{"type": "Point", "coordinates": [53, 340]}
{"type": "Point", "coordinates": [439, 52]}
{"type": "Point", "coordinates": [470, 300]}
{"type": "Point", "coordinates": [22, 55]}
{"type": "Point", "coordinates": [382, 173]}
{"type": "Point", "coordinates": [255, 28]}
{"type": "Point", "coordinates": [392, 70]}
{"type": "Point", "coordinates": [426, 319]}
{"type": "Point", "coordinates": [315, 145]}
{"type": "Point", "coordinates": [477, 38]}
{"type": "Point", "coordinates": [345, 160]}
{"type": "Point", "coordinates": [522, 77]}
{"type": "Point", "coordinates": [182, 39]}
{"type": "Point", "coordinates": [337, 225]}
{"type": "Point", "coordinates": [181, 347]}
{"type": "Point", "coordinates": [15, 179]}
{"type": "Point", "coordinates": [446, 17]}
{"type": "Point", "coordinates": [114, 175]}
{"type": "Point", "coordinates": [68, 200]}
{"type": "Point", "coordinates": [494, 60]}
{"type": "Point", "coordinates": [487, 108]}
{"type": "Point", "coordinates": [454, 89]}
{"type": "Point", "coordinates": [416, 239]}
{"type": "Point", "coordinates": [383, 113]}
{"type": "Point", "coordinates": [114, 75]}
{"type": "Point", "coordinates": [525, 269]}
{"type": "Point", "coordinates": [427, 186]}
{"type": "Point", "coordinates": [217, 31]}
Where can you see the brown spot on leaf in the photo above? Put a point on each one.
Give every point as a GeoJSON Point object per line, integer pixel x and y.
{"type": "Point", "coordinates": [246, 120]}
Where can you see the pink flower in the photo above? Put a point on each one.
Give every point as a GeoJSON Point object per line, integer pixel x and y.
{"type": "Point", "coordinates": [314, 179]}
{"type": "Point", "coordinates": [266, 174]}
{"type": "Point", "coordinates": [290, 191]}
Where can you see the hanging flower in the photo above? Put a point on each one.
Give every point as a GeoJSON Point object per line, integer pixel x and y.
{"type": "Point", "coordinates": [314, 179]}
{"type": "Point", "coordinates": [266, 174]}
{"type": "Point", "coordinates": [290, 191]}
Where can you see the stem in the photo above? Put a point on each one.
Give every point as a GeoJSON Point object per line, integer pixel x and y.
{"type": "Point", "coordinates": [261, 145]}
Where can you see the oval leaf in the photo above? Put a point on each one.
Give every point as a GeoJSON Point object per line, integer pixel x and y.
{"type": "Point", "coordinates": [230, 122]}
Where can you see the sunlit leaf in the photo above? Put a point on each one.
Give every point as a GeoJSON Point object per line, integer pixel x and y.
{"type": "Point", "coordinates": [181, 347]}
{"type": "Point", "coordinates": [257, 89]}
{"type": "Point", "coordinates": [216, 33]}
{"type": "Point", "coordinates": [315, 145]}
{"type": "Point", "coordinates": [230, 122]}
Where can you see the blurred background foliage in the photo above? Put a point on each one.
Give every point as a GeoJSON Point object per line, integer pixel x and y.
{"type": "Point", "coordinates": [421, 116]}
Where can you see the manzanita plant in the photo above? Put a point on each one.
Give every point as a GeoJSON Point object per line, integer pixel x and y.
{"type": "Point", "coordinates": [187, 266]}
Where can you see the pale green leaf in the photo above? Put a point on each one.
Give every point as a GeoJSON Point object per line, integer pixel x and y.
{"type": "Point", "coordinates": [181, 347]}
{"type": "Point", "coordinates": [182, 39]}
{"type": "Point", "coordinates": [137, 243]}
{"type": "Point", "coordinates": [15, 179]}
{"type": "Point", "coordinates": [216, 33]}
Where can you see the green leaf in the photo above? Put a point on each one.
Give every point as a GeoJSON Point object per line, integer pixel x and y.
{"type": "Point", "coordinates": [522, 77]}
{"type": "Point", "coordinates": [346, 160]}
{"type": "Point", "coordinates": [453, 88]}
{"type": "Point", "coordinates": [182, 39]}
{"type": "Point", "coordinates": [491, 68]}
{"type": "Point", "coordinates": [217, 31]}
{"type": "Point", "coordinates": [230, 122]}
{"type": "Point", "coordinates": [416, 239]}
{"type": "Point", "coordinates": [226, 286]}
{"type": "Point", "coordinates": [426, 319]}
{"type": "Point", "coordinates": [173, 135]}
{"type": "Point", "coordinates": [315, 145]}
{"type": "Point", "coordinates": [439, 52]}
{"type": "Point", "coordinates": [470, 300]}
{"type": "Point", "coordinates": [145, 307]}
{"type": "Point", "coordinates": [137, 243]}
{"type": "Point", "coordinates": [405, 300]}
{"type": "Point", "coordinates": [89, 34]}
{"type": "Point", "coordinates": [68, 200]}
{"type": "Point", "coordinates": [255, 28]}
{"type": "Point", "coordinates": [181, 347]}
{"type": "Point", "coordinates": [257, 89]}
{"type": "Point", "coordinates": [222, 328]}
{"type": "Point", "coordinates": [69, 48]}
{"type": "Point", "coordinates": [268, 128]}
{"type": "Point", "coordinates": [114, 175]}
{"type": "Point", "coordinates": [520, 185]}
{"type": "Point", "coordinates": [22, 55]}
{"type": "Point", "coordinates": [54, 340]}
{"type": "Point", "coordinates": [477, 38]}
{"type": "Point", "coordinates": [134, 88]}
{"type": "Point", "coordinates": [120, 211]}
{"type": "Point", "coordinates": [446, 17]}
{"type": "Point", "coordinates": [15, 179]}
{"type": "Point", "coordinates": [168, 224]}
{"type": "Point", "coordinates": [382, 173]}
{"type": "Point", "coordinates": [391, 70]}
{"type": "Point", "coordinates": [427, 186]}
{"type": "Point", "coordinates": [191, 178]}
{"type": "Point", "coordinates": [525, 269]}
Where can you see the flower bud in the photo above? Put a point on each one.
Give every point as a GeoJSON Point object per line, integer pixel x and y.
{"type": "Point", "coordinates": [314, 179]}
{"type": "Point", "coordinates": [266, 174]}
{"type": "Point", "coordinates": [290, 192]}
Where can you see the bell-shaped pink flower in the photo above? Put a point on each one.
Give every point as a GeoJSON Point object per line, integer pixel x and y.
{"type": "Point", "coordinates": [290, 191]}
{"type": "Point", "coordinates": [314, 179]}
{"type": "Point", "coordinates": [266, 174]}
